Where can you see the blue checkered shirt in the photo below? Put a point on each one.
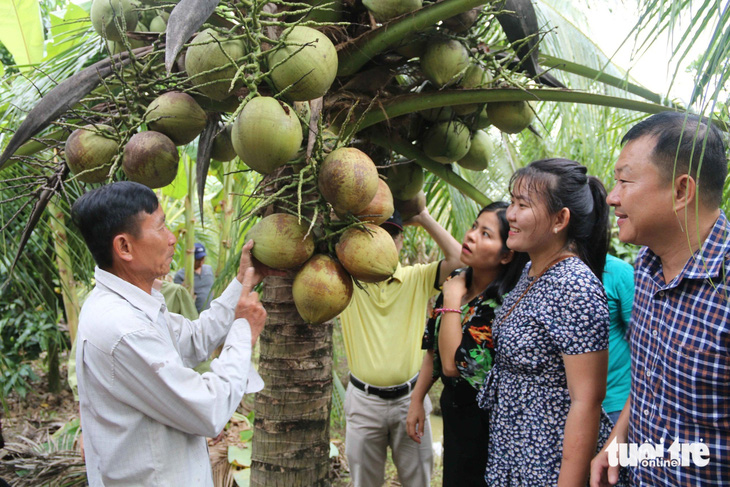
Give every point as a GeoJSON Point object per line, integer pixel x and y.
{"type": "Point", "coordinates": [680, 346]}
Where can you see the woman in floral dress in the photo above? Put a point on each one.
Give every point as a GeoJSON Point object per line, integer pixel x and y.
{"type": "Point", "coordinates": [458, 340]}
{"type": "Point", "coordinates": [545, 389]}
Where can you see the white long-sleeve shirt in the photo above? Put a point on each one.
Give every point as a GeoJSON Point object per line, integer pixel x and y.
{"type": "Point", "coordinates": [145, 412]}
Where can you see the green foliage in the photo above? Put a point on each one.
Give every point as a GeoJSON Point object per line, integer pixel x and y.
{"type": "Point", "coordinates": [25, 332]}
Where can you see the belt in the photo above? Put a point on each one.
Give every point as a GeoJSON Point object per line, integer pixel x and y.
{"type": "Point", "coordinates": [392, 392]}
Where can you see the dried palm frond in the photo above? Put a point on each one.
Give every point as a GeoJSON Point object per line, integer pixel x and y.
{"type": "Point", "coordinates": [26, 463]}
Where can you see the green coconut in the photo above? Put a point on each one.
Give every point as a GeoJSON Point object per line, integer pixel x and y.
{"type": "Point", "coordinates": [412, 207]}
{"type": "Point", "coordinates": [150, 158]}
{"type": "Point", "coordinates": [322, 289]}
{"type": "Point", "coordinates": [446, 142]}
{"type": "Point", "coordinates": [384, 10]}
{"type": "Point", "coordinates": [481, 120]}
{"type": "Point", "coordinates": [368, 254]}
{"type": "Point", "coordinates": [511, 117]}
{"type": "Point", "coordinates": [176, 115]}
{"type": "Point", "coordinates": [380, 207]}
{"type": "Point", "coordinates": [208, 51]}
{"type": "Point", "coordinates": [281, 241]}
{"type": "Point", "coordinates": [222, 149]}
{"type": "Point", "coordinates": [305, 72]}
{"type": "Point", "coordinates": [325, 10]}
{"type": "Point", "coordinates": [266, 134]}
{"type": "Point", "coordinates": [475, 77]}
{"type": "Point", "coordinates": [479, 153]}
{"type": "Point", "coordinates": [438, 114]}
{"type": "Point", "coordinates": [227, 105]}
{"type": "Point", "coordinates": [91, 148]}
{"type": "Point", "coordinates": [405, 180]}
{"type": "Point", "coordinates": [158, 24]}
{"type": "Point", "coordinates": [106, 14]}
{"type": "Point", "coordinates": [348, 180]}
{"type": "Point", "coordinates": [444, 61]}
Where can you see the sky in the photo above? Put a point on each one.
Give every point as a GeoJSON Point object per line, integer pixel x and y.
{"type": "Point", "coordinates": [611, 22]}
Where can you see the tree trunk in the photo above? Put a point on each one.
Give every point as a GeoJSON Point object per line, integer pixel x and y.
{"type": "Point", "coordinates": [291, 429]}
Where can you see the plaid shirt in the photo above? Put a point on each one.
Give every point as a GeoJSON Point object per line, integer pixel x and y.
{"type": "Point", "coordinates": [680, 345]}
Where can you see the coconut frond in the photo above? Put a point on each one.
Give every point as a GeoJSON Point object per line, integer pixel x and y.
{"type": "Point", "coordinates": [26, 463]}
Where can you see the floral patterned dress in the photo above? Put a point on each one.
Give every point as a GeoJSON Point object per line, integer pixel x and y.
{"type": "Point", "coordinates": [565, 312]}
{"type": "Point", "coordinates": [474, 356]}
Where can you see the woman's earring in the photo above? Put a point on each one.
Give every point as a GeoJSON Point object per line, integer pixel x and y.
{"type": "Point", "coordinates": [555, 230]}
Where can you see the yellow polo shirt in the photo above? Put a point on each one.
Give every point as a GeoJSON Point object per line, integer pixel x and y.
{"type": "Point", "coordinates": [383, 329]}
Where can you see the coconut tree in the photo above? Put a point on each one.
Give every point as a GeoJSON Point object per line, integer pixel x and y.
{"type": "Point", "coordinates": [253, 62]}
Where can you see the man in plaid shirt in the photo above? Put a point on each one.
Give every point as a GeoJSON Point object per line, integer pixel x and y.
{"type": "Point", "coordinates": [669, 182]}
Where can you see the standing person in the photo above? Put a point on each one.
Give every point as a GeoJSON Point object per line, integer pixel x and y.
{"type": "Point", "coordinates": [618, 282]}
{"type": "Point", "coordinates": [145, 412]}
{"type": "Point", "coordinates": [382, 329]}
{"type": "Point", "coordinates": [203, 279]}
{"type": "Point", "coordinates": [459, 347]}
{"type": "Point", "coordinates": [545, 388]}
{"type": "Point", "coordinates": [669, 184]}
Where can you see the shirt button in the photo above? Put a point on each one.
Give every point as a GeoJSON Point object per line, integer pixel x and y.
{"type": "Point", "coordinates": [648, 373]}
{"type": "Point", "coordinates": [646, 412]}
{"type": "Point", "coordinates": [660, 294]}
{"type": "Point", "coordinates": [654, 332]}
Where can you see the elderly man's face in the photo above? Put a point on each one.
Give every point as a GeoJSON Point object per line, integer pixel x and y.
{"type": "Point", "coordinates": [154, 246]}
{"type": "Point", "coordinates": [642, 198]}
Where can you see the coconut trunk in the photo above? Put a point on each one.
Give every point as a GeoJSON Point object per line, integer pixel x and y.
{"type": "Point", "coordinates": [291, 430]}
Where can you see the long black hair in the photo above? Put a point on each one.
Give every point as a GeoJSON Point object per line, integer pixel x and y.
{"type": "Point", "coordinates": [508, 273]}
{"type": "Point", "coordinates": [563, 183]}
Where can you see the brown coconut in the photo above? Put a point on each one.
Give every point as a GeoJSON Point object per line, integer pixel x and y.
{"type": "Point", "coordinates": [412, 207]}
{"type": "Point", "coordinates": [322, 289]}
{"type": "Point", "coordinates": [368, 254]}
{"type": "Point", "coordinates": [281, 242]}
{"type": "Point", "coordinates": [150, 158]}
{"type": "Point", "coordinates": [405, 180]}
{"type": "Point", "coordinates": [381, 206]}
{"type": "Point", "coordinates": [176, 115]}
{"type": "Point", "coordinates": [89, 149]}
{"type": "Point", "coordinates": [348, 180]}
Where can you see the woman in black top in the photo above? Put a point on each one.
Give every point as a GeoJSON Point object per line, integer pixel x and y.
{"type": "Point", "coordinates": [460, 349]}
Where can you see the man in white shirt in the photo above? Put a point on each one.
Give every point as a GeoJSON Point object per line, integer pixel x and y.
{"type": "Point", "coordinates": [145, 412]}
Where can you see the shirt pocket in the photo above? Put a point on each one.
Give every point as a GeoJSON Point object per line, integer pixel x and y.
{"type": "Point", "coordinates": [698, 385]}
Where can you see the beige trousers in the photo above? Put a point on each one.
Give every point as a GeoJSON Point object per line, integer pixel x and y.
{"type": "Point", "coordinates": [373, 424]}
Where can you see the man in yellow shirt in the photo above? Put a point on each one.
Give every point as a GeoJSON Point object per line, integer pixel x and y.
{"type": "Point", "coordinates": [382, 329]}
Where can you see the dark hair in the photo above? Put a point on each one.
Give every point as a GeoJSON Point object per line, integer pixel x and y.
{"type": "Point", "coordinates": [104, 213]}
{"type": "Point", "coordinates": [510, 272]}
{"type": "Point", "coordinates": [565, 184]}
{"type": "Point", "coordinates": [685, 144]}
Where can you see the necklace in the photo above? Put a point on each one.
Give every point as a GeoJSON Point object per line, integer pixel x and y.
{"type": "Point", "coordinates": [559, 259]}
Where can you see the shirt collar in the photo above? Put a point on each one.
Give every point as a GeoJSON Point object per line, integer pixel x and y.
{"type": "Point", "coordinates": [398, 274]}
{"type": "Point", "coordinates": [705, 262]}
{"type": "Point", "coordinates": [149, 304]}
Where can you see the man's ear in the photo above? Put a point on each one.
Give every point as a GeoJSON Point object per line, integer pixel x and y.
{"type": "Point", "coordinates": [122, 247]}
{"type": "Point", "coordinates": [684, 192]}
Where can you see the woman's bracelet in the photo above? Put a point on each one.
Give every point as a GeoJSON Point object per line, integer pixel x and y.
{"type": "Point", "coordinates": [446, 310]}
